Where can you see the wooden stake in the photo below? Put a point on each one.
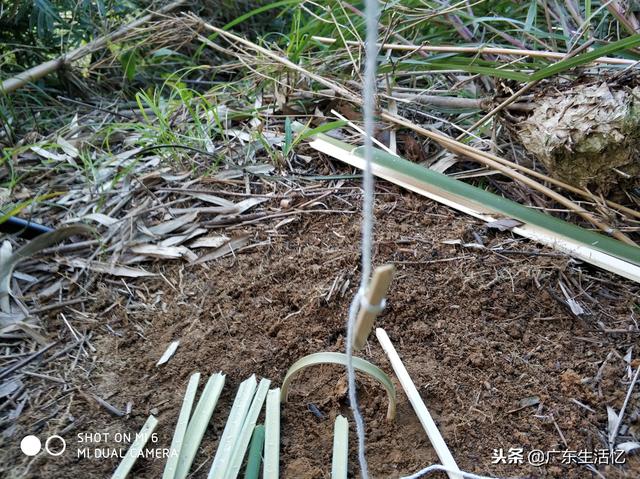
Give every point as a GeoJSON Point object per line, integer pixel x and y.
{"type": "Point", "coordinates": [374, 296]}
{"type": "Point", "coordinates": [419, 407]}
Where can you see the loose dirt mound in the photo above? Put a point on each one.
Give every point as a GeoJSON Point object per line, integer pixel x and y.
{"type": "Point", "coordinates": [487, 337]}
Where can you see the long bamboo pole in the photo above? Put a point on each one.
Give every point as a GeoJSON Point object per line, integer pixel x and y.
{"type": "Point", "coordinates": [32, 74]}
{"type": "Point", "coordinates": [504, 166]}
{"type": "Point", "coordinates": [591, 247]}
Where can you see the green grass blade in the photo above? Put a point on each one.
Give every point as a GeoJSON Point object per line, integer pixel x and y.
{"type": "Point", "coordinates": [456, 65]}
{"type": "Point", "coordinates": [258, 11]}
{"type": "Point", "coordinates": [325, 127]}
{"type": "Point", "coordinates": [584, 58]}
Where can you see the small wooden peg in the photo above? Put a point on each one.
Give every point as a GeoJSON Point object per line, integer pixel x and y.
{"type": "Point", "coordinates": [374, 296]}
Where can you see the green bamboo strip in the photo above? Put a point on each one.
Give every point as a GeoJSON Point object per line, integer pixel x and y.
{"type": "Point", "coordinates": [271, 468]}
{"type": "Point", "coordinates": [486, 200]}
{"type": "Point", "coordinates": [255, 453]}
{"type": "Point", "coordinates": [340, 459]}
{"type": "Point", "coordinates": [507, 207]}
{"type": "Point", "coordinates": [134, 450]}
{"type": "Point", "coordinates": [249, 425]}
{"type": "Point", "coordinates": [181, 427]}
{"type": "Point", "coordinates": [232, 429]}
{"type": "Point", "coordinates": [198, 423]}
{"type": "Point", "coordinates": [340, 358]}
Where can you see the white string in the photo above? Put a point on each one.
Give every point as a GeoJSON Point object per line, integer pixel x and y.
{"type": "Point", "coordinates": [438, 467]}
{"type": "Point", "coordinates": [371, 51]}
{"type": "Point", "coordinates": [371, 308]}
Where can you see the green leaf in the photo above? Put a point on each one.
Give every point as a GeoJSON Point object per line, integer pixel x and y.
{"type": "Point", "coordinates": [584, 58]}
{"type": "Point", "coordinates": [130, 60]}
{"type": "Point", "coordinates": [471, 66]}
{"type": "Point", "coordinates": [531, 15]}
{"type": "Point", "coordinates": [259, 10]}
{"type": "Point", "coordinates": [325, 127]}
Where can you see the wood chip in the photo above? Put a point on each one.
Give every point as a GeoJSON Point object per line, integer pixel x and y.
{"type": "Point", "coordinates": [169, 352]}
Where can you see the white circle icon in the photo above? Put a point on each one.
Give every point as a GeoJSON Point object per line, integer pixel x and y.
{"type": "Point", "coordinates": [56, 451]}
{"type": "Point", "coordinates": [30, 445]}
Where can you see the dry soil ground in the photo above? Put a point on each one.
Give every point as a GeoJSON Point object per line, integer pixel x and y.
{"type": "Point", "coordinates": [487, 336]}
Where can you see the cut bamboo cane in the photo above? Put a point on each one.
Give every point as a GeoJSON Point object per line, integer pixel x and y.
{"type": "Point", "coordinates": [271, 465]}
{"type": "Point", "coordinates": [474, 50]}
{"type": "Point", "coordinates": [374, 297]}
{"type": "Point", "coordinates": [418, 406]}
{"type": "Point", "coordinates": [136, 447]}
{"type": "Point", "coordinates": [181, 427]}
{"type": "Point", "coordinates": [11, 84]}
{"type": "Point", "coordinates": [340, 460]}
{"type": "Point", "coordinates": [596, 249]}
{"type": "Point", "coordinates": [232, 429]}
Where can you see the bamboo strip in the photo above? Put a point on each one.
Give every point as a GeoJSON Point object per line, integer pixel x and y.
{"type": "Point", "coordinates": [181, 427]}
{"type": "Point", "coordinates": [198, 423]}
{"type": "Point", "coordinates": [592, 248]}
{"type": "Point", "coordinates": [255, 453]}
{"type": "Point", "coordinates": [340, 458]}
{"type": "Point", "coordinates": [129, 460]}
{"type": "Point", "coordinates": [418, 406]}
{"type": "Point", "coordinates": [237, 416]}
{"type": "Point", "coordinates": [271, 464]}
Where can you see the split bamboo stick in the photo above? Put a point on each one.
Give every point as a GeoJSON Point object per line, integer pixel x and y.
{"type": "Point", "coordinates": [419, 407]}
{"type": "Point", "coordinates": [601, 251]}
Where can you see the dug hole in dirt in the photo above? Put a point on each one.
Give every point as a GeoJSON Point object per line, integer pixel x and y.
{"type": "Point", "coordinates": [488, 338]}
